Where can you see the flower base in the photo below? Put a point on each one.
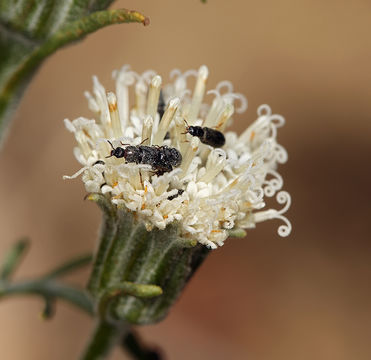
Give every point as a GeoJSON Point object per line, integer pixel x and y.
{"type": "Point", "coordinates": [130, 257]}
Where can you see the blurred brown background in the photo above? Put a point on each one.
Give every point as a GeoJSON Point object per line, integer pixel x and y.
{"type": "Point", "coordinates": [260, 298]}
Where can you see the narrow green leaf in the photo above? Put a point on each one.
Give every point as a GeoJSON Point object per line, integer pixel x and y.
{"type": "Point", "coordinates": [26, 41]}
{"type": "Point", "coordinates": [49, 289]}
{"type": "Point", "coordinates": [13, 258]}
{"type": "Point", "coordinates": [104, 338]}
{"type": "Point", "coordinates": [90, 23]}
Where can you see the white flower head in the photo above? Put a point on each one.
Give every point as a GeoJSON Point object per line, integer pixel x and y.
{"type": "Point", "coordinates": [213, 190]}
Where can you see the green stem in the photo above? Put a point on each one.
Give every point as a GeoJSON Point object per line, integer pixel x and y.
{"type": "Point", "coordinates": [49, 289]}
{"type": "Point", "coordinates": [45, 286]}
{"type": "Point", "coordinates": [106, 335]}
{"type": "Point", "coordinates": [104, 338]}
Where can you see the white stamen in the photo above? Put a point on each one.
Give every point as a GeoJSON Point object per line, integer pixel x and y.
{"type": "Point", "coordinates": [235, 96]}
{"type": "Point", "coordinates": [224, 117]}
{"type": "Point", "coordinates": [180, 83]}
{"type": "Point", "coordinates": [92, 104]}
{"type": "Point", "coordinates": [180, 134]}
{"type": "Point", "coordinates": [216, 108]}
{"type": "Point", "coordinates": [282, 197]}
{"type": "Point", "coordinates": [148, 75]}
{"type": "Point", "coordinates": [264, 109]}
{"type": "Point", "coordinates": [76, 174]}
{"type": "Point", "coordinates": [100, 95]}
{"type": "Point", "coordinates": [153, 96]}
{"type": "Point", "coordinates": [165, 122]}
{"type": "Point", "coordinates": [174, 72]}
{"type": "Point", "coordinates": [138, 179]}
{"type": "Point", "coordinates": [124, 78]}
{"type": "Point", "coordinates": [198, 94]}
{"type": "Point", "coordinates": [224, 83]}
{"type": "Point", "coordinates": [69, 126]}
{"type": "Point", "coordinates": [147, 130]}
{"type": "Point", "coordinates": [189, 155]}
{"type": "Point", "coordinates": [215, 164]}
{"type": "Point", "coordinates": [140, 97]}
{"type": "Point", "coordinates": [81, 139]}
{"type": "Point", "coordinates": [115, 119]}
{"type": "Point", "coordinates": [273, 184]}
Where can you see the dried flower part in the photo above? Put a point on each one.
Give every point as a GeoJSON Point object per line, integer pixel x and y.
{"type": "Point", "coordinates": [213, 192]}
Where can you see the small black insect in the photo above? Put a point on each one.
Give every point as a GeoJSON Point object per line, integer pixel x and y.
{"type": "Point", "coordinates": [180, 192]}
{"type": "Point", "coordinates": [206, 135]}
{"type": "Point", "coordinates": [161, 158]}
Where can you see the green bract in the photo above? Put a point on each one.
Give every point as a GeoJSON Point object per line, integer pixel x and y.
{"type": "Point", "coordinates": [137, 274]}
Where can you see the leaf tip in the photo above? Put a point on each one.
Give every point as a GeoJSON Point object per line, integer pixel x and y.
{"type": "Point", "coordinates": [146, 21]}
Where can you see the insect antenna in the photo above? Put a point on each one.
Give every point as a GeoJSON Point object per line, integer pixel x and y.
{"type": "Point", "coordinates": [143, 141]}
{"type": "Point", "coordinates": [187, 127]}
{"type": "Point", "coordinates": [109, 142]}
